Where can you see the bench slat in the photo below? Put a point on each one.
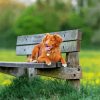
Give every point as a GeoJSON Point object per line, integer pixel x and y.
{"type": "Point", "coordinates": [65, 47]}
{"type": "Point", "coordinates": [37, 38]}
{"type": "Point", "coordinates": [30, 65]}
{"type": "Point", "coordinates": [15, 71]}
{"type": "Point", "coordinates": [26, 65]}
{"type": "Point", "coordinates": [63, 73]}
{"type": "Point", "coordinates": [68, 73]}
{"type": "Point", "coordinates": [18, 69]}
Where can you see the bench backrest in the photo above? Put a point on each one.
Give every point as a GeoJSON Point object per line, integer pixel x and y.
{"type": "Point", "coordinates": [71, 42]}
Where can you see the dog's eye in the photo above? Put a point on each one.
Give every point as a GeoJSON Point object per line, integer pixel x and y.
{"type": "Point", "coordinates": [52, 40]}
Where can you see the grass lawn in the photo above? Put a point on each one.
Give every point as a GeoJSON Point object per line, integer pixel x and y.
{"type": "Point", "coordinates": [90, 83]}
{"type": "Point", "coordinates": [10, 55]}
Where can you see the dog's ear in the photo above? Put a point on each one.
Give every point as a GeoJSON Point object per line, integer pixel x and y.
{"type": "Point", "coordinates": [45, 37]}
{"type": "Point", "coordinates": [58, 38]}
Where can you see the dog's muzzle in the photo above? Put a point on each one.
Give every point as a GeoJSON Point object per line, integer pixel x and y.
{"type": "Point", "coordinates": [48, 48]}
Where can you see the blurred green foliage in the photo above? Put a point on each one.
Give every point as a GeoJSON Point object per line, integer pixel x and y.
{"type": "Point", "coordinates": [9, 12]}
{"type": "Point", "coordinates": [33, 21]}
{"type": "Point", "coordinates": [48, 16]}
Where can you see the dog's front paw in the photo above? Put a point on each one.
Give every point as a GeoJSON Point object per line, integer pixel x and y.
{"type": "Point", "coordinates": [34, 61]}
{"type": "Point", "coordinates": [49, 63]}
{"type": "Point", "coordinates": [29, 60]}
{"type": "Point", "coordinates": [64, 65]}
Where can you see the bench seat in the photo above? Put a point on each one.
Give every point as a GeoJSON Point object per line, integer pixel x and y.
{"type": "Point", "coordinates": [16, 68]}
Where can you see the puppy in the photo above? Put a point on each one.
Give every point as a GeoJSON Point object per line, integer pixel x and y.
{"type": "Point", "coordinates": [48, 50]}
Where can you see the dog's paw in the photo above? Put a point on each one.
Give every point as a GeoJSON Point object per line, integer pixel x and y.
{"type": "Point", "coordinates": [64, 65]}
{"type": "Point", "coordinates": [29, 60]}
{"type": "Point", "coordinates": [34, 61]}
{"type": "Point", "coordinates": [49, 64]}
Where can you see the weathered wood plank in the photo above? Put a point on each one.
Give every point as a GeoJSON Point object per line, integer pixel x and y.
{"type": "Point", "coordinates": [13, 71]}
{"type": "Point", "coordinates": [26, 65]}
{"type": "Point", "coordinates": [62, 72]}
{"type": "Point", "coordinates": [37, 38]}
{"type": "Point", "coordinates": [31, 72]}
{"type": "Point", "coordinates": [18, 69]}
{"type": "Point", "coordinates": [66, 73]}
{"type": "Point", "coordinates": [73, 59]}
{"type": "Point", "coordinates": [65, 47]}
{"type": "Point", "coordinates": [32, 65]}
{"type": "Point", "coordinates": [59, 64]}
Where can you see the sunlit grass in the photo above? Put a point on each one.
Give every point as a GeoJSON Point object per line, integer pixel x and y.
{"type": "Point", "coordinates": [5, 79]}
{"type": "Point", "coordinates": [10, 55]}
{"type": "Point", "coordinates": [90, 63]}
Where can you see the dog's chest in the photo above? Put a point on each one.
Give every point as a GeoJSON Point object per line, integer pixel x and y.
{"type": "Point", "coordinates": [51, 54]}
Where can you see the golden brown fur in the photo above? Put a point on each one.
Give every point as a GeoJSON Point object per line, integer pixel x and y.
{"type": "Point", "coordinates": [48, 50]}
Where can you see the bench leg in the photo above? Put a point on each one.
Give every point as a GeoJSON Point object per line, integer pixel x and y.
{"type": "Point", "coordinates": [75, 83]}
{"type": "Point", "coordinates": [73, 59]}
{"type": "Point", "coordinates": [31, 72]}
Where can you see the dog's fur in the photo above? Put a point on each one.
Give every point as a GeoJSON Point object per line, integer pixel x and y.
{"type": "Point", "coordinates": [48, 50]}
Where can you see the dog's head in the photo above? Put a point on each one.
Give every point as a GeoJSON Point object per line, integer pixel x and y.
{"type": "Point", "coordinates": [51, 41]}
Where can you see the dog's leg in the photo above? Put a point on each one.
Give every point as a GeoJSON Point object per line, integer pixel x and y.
{"type": "Point", "coordinates": [44, 59]}
{"type": "Point", "coordinates": [64, 64]}
{"type": "Point", "coordinates": [35, 54]}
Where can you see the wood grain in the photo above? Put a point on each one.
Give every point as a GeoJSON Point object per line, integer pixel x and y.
{"type": "Point", "coordinates": [26, 65]}
{"type": "Point", "coordinates": [70, 46]}
{"type": "Point", "coordinates": [13, 71]}
{"type": "Point", "coordinates": [73, 59]}
{"type": "Point", "coordinates": [33, 65]}
{"type": "Point", "coordinates": [69, 35]}
{"type": "Point", "coordinates": [63, 73]}
{"type": "Point", "coordinates": [18, 69]}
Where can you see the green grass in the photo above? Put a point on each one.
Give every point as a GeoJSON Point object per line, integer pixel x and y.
{"type": "Point", "coordinates": [10, 55]}
{"type": "Point", "coordinates": [37, 89]}
{"type": "Point", "coordinates": [41, 89]}
{"type": "Point", "coordinates": [90, 60]}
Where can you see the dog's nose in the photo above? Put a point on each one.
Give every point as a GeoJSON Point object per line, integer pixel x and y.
{"type": "Point", "coordinates": [46, 45]}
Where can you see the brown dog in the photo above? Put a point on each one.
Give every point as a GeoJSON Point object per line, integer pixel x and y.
{"type": "Point", "coordinates": [48, 50]}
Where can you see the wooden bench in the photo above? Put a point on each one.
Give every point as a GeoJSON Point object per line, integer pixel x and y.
{"type": "Point", "coordinates": [70, 47]}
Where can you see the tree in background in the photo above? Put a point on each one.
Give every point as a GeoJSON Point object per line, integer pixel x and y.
{"type": "Point", "coordinates": [90, 12]}
{"type": "Point", "coordinates": [34, 21]}
{"type": "Point", "coordinates": [43, 16]}
{"type": "Point", "coordinates": [9, 12]}
{"type": "Point", "coordinates": [93, 20]}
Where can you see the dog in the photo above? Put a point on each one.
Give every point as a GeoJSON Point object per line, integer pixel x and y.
{"type": "Point", "coordinates": [48, 50]}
